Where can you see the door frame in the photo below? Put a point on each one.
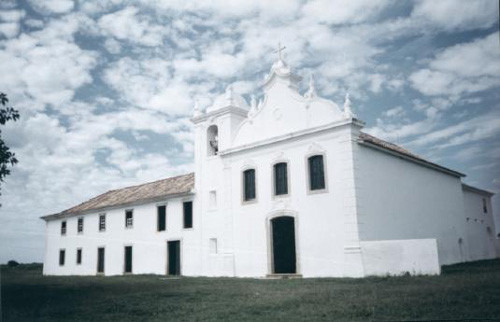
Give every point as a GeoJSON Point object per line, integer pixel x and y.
{"type": "Point", "coordinates": [125, 259]}
{"type": "Point", "coordinates": [103, 259]}
{"type": "Point", "coordinates": [269, 230]}
{"type": "Point", "coordinates": [167, 254]}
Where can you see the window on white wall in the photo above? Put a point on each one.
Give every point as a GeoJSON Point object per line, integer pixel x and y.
{"type": "Point", "coordinates": [63, 228]}
{"type": "Point", "coordinates": [80, 225]}
{"type": "Point", "coordinates": [62, 257]}
{"type": "Point", "coordinates": [78, 256]}
{"type": "Point", "coordinates": [212, 199]}
{"type": "Point", "coordinates": [485, 207]}
{"type": "Point", "coordinates": [316, 173]}
{"type": "Point", "coordinates": [187, 208]}
{"type": "Point", "coordinates": [280, 179]}
{"type": "Point", "coordinates": [249, 185]}
{"type": "Point", "coordinates": [161, 212]}
{"type": "Point", "coordinates": [212, 140]}
{"type": "Point", "coordinates": [129, 218]}
{"type": "Point", "coordinates": [213, 245]}
{"type": "Point", "coordinates": [102, 222]}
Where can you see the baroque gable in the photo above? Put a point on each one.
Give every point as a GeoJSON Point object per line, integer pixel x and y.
{"type": "Point", "coordinates": [284, 110]}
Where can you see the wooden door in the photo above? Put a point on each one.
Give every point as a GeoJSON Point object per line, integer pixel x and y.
{"type": "Point", "coordinates": [174, 257]}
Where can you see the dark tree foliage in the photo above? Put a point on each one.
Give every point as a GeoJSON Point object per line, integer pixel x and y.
{"type": "Point", "coordinates": [12, 263]}
{"type": "Point", "coordinates": [7, 158]}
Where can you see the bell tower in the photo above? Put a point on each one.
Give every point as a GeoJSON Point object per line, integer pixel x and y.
{"type": "Point", "coordinates": [214, 131]}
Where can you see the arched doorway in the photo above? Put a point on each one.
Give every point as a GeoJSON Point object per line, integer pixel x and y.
{"type": "Point", "coordinates": [283, 245]}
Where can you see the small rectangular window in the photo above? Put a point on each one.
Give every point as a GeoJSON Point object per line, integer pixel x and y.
{"type": "Point", "coordinates": [188, 214]}
{"type": "Point", "coordinates": [280, 179]}
{"type": "Point", "coordinates": [128, 259]}
{"type": "Point", "coordinates": [78, 256]}
{"type": "Point", "coordinates": [80, 225]}
{"type": "Point", "coordinates": [212, 200]}
{"type": "Point", "coordinates": [316, 173]}
{"type": "Point", "coordinates": [129, 218]}
{"type": "Point", "coordinates": [62, 255]}
{"type": "Point", "coordinates": [213, 245]}
{"type": "Point", "coordinates": [102, 222]}
{"type": "Point", "coordinates": [249, 184]}
{"type": "Point", "coordinates": [485, 207]}
{"type": "Point", "coordinates": [162, 218]}
{"type": "Point", "coordinates": [63, 228]}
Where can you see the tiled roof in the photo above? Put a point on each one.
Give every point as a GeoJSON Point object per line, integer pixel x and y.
{"type": "Point", "coordinates": [129, 195]}
{"type": "Point", "coordinates": [477, 190]}
{"type": "Point", "coordinates": [371, 140]}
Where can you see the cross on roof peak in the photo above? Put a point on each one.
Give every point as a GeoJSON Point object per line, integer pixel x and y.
{"type": "Point", "coordinates": [279, 51]}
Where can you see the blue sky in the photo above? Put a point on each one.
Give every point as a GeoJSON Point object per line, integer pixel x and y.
{"type": "Point", "coordinates": [106, 88]}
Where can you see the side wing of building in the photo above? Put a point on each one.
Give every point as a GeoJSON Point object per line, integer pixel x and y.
{"type": "Point", "coordinates": [123, 239]}
{"type": "Point", "coordinates": [413, 213]}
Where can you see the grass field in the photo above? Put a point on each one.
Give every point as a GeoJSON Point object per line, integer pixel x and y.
{"type": "Point", "coordinates": [463, 291]}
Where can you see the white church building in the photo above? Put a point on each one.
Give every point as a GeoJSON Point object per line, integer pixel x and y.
{"type": "Point", "coordinates": [287, 185]}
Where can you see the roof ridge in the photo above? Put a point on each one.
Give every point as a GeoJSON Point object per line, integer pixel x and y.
{"type": "Point", "coordinates": [151, 182]}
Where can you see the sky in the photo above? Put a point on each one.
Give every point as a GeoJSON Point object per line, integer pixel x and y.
{"type": "Point", "coordinates": [106, 88]}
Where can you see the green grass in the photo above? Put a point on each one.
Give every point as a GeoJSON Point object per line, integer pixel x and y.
{"type": "Point", "coordinates": [463, 291]}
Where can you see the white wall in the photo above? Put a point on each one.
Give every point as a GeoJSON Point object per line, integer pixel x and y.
{"type": "Point", "coordinates": [149, 245]}
{"type": "Point", "coordinates": [479, 241]}
{"type": "Point", "coordinates": [396, 257]}
{"type": "Point", "coordinates": [399, 199]}
{"type": "Point", "coordinates": [320, 218]}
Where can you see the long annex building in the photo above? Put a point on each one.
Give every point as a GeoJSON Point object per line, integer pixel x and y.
{"type": "Point", "coordinates": [286, 185]}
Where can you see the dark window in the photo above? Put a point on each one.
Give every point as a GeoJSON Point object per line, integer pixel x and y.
{"type": "Point", "coordinates": [128, 259]}
{"type": "Point", "coordinates": [280, 179]}
{"type": "Point", "coordinates": [80, 225]}
{"type": "Point", "coordinates": [129, 218]}
{"type": "Point", "coordinates": [79, 256]}
{"type": "Point", "coordinates": [188, 214]}
{"type": "Point", "coordinates": [102, 222]}
{"type": "Point", "coordinates": [62, 255]}
{"type": "Point", "coordinates": [485, 208]}
{"type": "Point", "coordinates": [100, 260]}
{"type": "Point", "coordinates": [63, 228]}
{"type": "Point", "coordinates": [316, 173]}
{"type": "Point", "coordinates": [212, 140]}
{"type": "Point", "coordinates": [249, 184]}
{"type": "Point", "coordinates": [162, 218]}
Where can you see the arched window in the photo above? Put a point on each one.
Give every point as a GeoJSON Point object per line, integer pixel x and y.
{"type": "Point", "coordinates": [280, 179]}
{"type": "Point", "coordinates": [316, 173]}
{"type": "Point", "coordinates": [212, 140]}
{"type": "Point", "coordinates": [249, 185]}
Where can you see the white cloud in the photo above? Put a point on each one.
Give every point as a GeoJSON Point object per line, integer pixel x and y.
{"type": "Point", "coordinates": [471, 130]}
{"type": "Point", "coordinates": [34, 23]}
{"type": "Point", "coordinates": [343, 12]}
{"type": "Point", "coordinates": [451, 15]}
{"type": "Point", "coordinates": [112, 46]}
{"type": "Point", "coordinates": [395, 112]}
{"type": "Point", "coordinates": [460, 69]}
{"type": "Point", "coordinates": [12, 15]}
{"type": "Point", "coordinates": [10, 22]}
{"type": "Point", "coordinates": [128, 25]}
{"type": "Point", "coordinates": [10, 29]}
{"type": "Point", "coordinates": [53, 6]}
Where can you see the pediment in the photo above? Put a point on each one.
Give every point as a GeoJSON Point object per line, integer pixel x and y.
{"type": "Point", "coordinates": [284, 111]}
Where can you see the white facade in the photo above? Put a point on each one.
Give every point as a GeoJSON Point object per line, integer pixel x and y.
{"type": "Point", "coordinates": [379, 211]}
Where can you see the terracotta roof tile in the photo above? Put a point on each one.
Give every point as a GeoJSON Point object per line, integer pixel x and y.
{"type": "Point", "coordinates": [129, 195]}
{"type": "Point", "coordinates": [364, 137]}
